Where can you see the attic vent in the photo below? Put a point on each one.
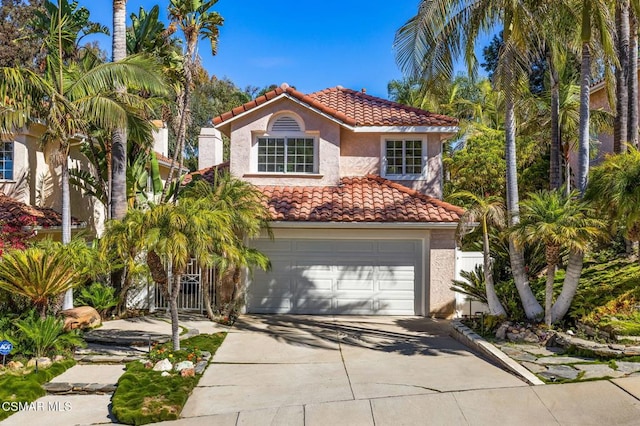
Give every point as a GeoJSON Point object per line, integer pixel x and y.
{"type": "Point", "coordinates": [285, 124]}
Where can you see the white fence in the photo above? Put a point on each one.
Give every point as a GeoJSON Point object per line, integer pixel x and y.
{"type": "Point", "coordinates": [467, 261]}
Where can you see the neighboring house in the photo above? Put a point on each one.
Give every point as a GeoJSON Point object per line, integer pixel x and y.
{"type": "Point", "coordinates": [29, 177]}
{"type": "Point", "coordinates": [353, 184]}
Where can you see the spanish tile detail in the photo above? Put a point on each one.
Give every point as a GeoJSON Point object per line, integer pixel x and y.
{"type": "Point", "coordinates": [15, 213]}
{"type": "Point", "coordinates": [357, 199]}
{"type": "Point", "coordinates": [351, 108]}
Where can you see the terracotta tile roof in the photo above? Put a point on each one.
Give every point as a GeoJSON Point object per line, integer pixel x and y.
{"type": "Point", "coordinates": [207, 174]}
{"type": "Point", "coordinates": [15, 213]}
{"type": "Point", "coordinates": [163, 159]}
{"type": "Point", "coordinates": [350, 107]}
{"type": "Point", "coordinates": [358, 199]}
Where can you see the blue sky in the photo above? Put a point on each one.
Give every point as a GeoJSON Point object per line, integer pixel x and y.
{"type": "Point", "coordinates": [311, 45]}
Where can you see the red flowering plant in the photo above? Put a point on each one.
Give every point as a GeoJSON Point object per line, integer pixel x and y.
{"type": "Point", "coordinates": [162, 351]}
{"type": "Point", "coordinates": [16, 236]}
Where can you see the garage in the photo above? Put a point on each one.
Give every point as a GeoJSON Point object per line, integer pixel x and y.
{"type": "Point", "coordinates": [341, 276]}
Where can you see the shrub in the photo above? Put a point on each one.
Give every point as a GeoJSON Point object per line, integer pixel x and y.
{"type": "Point", "coordinates": [98, 296]}
{"type": "Point", "coordinates": [40, 336]}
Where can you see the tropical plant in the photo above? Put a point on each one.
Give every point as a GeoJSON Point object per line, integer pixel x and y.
{"type": "Point", "coordinates": [614, 187]}
{"type": "Point", "coordinates": [39, 274]}
{"type": "Point", "coordinates": [488, 211]}
{"type": "Point", "coordinates": [196, 20]}
{"type": "Point", "coordinates": [98, 296]}
{"type": "Point", "coordinates": [39, 335]}
{"type": "Point", "coordinates": [560, 223]}
{"type": "Point", "coordinates": [249, 217]}
{"type": "Point", "coordinates": [445, 30]}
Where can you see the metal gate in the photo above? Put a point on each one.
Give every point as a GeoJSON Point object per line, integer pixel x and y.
{"type": "Point", "coordinates": [191, 283]}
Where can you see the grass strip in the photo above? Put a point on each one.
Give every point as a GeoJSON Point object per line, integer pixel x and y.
{"type": "Point", "coordinates": [25, 388]}
{"type": "Point", "coordinates": [145, 396]}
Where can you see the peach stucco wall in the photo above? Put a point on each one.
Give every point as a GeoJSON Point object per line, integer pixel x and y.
{"type": "Point", "coordinates": [441, 270]}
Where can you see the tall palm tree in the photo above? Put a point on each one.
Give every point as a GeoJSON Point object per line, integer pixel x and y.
{"type": "Point", "coordinates": [560, 223]}
{"type": "Point", "coordinates": [196, 20]}
{"type": "Point", "coordinates": [444, 30]}
{"type": "Point", "coordinates": [621, 127]}
{"type": "Point", "coordinates": [488, 211]}
{"type": "Point", "coordinates": [249, 217]}
{"type": "Point", "coordinates": [118, 198]}
{"type": "Point", "coordinates": [595, 17]}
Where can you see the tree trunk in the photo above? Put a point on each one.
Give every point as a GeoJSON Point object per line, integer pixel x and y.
{"type": "Point", "coordinates": [569, 286]}
{"type": "Point", "coordinates": [621, 125]}
{"type": "Point", "coordinates": [66, 216]}
{"type": "Point", "coordinates": [173, 309]}
{"type": "Point", "coordinates": [118, 206]}
{"type": "Point", "coordinates": [495, 307]}
{"type": "Point", "coordinates": [583, 142]}
{"type": "Point", "coordinates": [632, 133]}
{"type": "Point", "coordinates": [531, 306]}
{"type": "Point", "coordinates": [555, 175]}
{"type": "Point", "coordinates": [206, 292]}
{"type": "Point", "coordinates": [548, 294]}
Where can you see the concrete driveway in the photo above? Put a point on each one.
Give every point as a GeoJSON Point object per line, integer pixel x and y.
{"type": "Point", "coordinates": [280, 364]}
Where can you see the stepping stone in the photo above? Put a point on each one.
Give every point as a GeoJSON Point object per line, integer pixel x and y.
{"type": "Point", "coordinates": [556, 360]}
{"type": "Point", "coordinates": [628, 367]}
{"type": "Point", "coordinates": [598, 371]}
{"type": "Point", "coordinates": [57, 387]}
{"type": "Point", "coordinates": [517, 354]}
{"type": "Point", "coordinates": [533, 367]}
{"type": "Point", "coordinates": [537, 350]}
{"type": "Point", "coordinates": [560, 372]}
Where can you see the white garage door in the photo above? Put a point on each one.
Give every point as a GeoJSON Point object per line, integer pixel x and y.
{"type": "Point", "coordinates": [365, 277]}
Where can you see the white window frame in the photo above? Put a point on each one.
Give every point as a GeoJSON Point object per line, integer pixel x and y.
{"type": "Point", "coordinates": [384, 161]}
{"type": "Point", "coordinates": [13, 161]}
{"type": "Point", "coordinates": [314, 135]}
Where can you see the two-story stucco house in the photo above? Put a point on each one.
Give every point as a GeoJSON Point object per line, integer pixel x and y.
{"type": "Point", "coordinates": [353, 184]}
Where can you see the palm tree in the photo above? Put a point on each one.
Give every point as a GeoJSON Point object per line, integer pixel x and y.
{"type": "Point", "coordinates": [560, 223]}
{"type": "Point", "coordinates": [615, 189]}
{"type": "Point", "coordinates": [621, 128]}
{"type": "Point", "coordinates": [249, 217]}
{"type": "Point", "coordinates": [488, 211]}
{"type": "Point", "coordinates": [442, 31]}
{"type": "Point", "coordinates": [196, 20]}
{"type": "Point", "coordinates": [173, 234]}
{"type": "Point", "coordinates": [118, 204]}
{"type": "Point", "coordinates": [595, 16]}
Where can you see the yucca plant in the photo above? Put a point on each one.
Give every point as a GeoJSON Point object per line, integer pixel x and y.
{"type": "Point", "coordinates": [41, 335]}
{"type": "Point", "coordinates": [39, 274]}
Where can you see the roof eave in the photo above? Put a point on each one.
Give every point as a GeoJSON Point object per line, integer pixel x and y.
{"type": "Point", "coordinates": [360, 225]}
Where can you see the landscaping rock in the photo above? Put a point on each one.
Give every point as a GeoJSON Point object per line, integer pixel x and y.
{"type": "Point", "coordinates": [533, 367]}
{"type": "Point", "coordinates": [43, 362]}
{"type": "Point", "coordinates": [81, 317]}
{"type": "Point", "coordinates": [58, 387]}
{"type": "Point", "coordinates": [517, 354]}
{"type": "Point", "coordinates": [183, 365]}
{"type": "Point", "coordinates": [530, 337]}
{"type": "Point", "coordinates": [628, 367]}
{"type": "Point", "coordinates": [165, 374]}
{"type": "Point", "coordinates": [201, 366]}
{"type": "Point", "coordinates": [632, 351]}
{"type": "Point", "coordinates": [205, 355]}
{"type": "Point", "coordinates": [557, 360]}
{"type": "Point", "coordinates": [501, 332]}
{"type": "Point", "coordinates": [58, 358]}
{"type": "Point", "coordinates": [15, 365]}
{"type": "Point", "coordinates": [559, 372]}
{"type": "Point", "coordinates": [598, 371]}
{"type": "Point", "coordinates": [188, 372]}
{"type": "Point", "coordinates": [163, 365]}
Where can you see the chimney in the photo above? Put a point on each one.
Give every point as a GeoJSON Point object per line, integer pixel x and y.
{"type": "Point", "coordinates": [160, 138]}
{"type": "Point", "coordinates": [209, 148]}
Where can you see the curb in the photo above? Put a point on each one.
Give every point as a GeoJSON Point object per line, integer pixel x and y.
{"type": "Point", "coordinates": [469, 338]}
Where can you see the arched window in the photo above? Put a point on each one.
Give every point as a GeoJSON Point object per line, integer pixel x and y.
{"type": "Point", "coordinates": [286, 147]}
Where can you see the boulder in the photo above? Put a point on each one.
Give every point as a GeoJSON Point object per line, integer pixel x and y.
{"type": "Point", "coordinates": [15, 365]}
{"type": "Point", "coordinates": [81, 317]}
{"type": "Point", "coordinates": [43, 362]}
{"type": "Point", "coordinates": [165, 374]}
{"type": "Point", "coordinates": [163, 365]}
{"type": "Point", "coordinates": [183, 365]}
{"type": "Point", "coordinates": [58, 358]}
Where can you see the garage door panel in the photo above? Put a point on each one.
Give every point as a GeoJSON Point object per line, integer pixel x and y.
{"type": "Point", "coordinates": [323, 276]}
{"type": "Point", "coordinates": [274, 246]}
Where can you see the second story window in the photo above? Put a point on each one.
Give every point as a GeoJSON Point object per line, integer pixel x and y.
{"type": "Point", "coordinates": [286, 155]}
{"type": "Point", "coordinates": [6, 160]}
{"type": "Point", "coordinates": [403, 157]}
{"type": "Point", "coordinates": [286, 147]}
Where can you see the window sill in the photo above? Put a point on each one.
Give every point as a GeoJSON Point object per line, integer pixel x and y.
{"type": "Point", "coordinates": [284, 175]}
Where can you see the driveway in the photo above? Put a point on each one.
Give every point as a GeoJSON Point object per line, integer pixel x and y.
{"type": "Point", "coordinates": [281, 363]}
